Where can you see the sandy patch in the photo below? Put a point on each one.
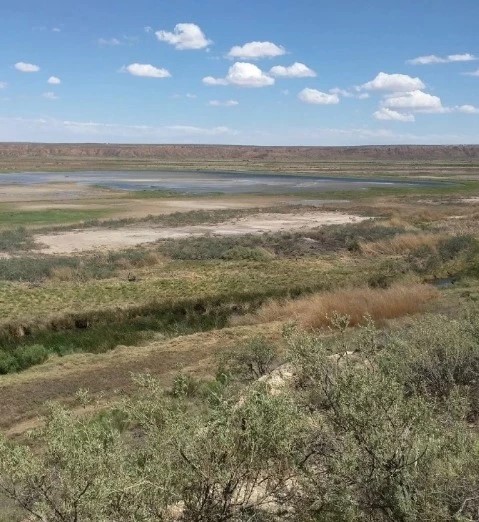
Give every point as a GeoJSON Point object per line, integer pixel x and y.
{"type": "Point", "coordinates": [470, 200]}
{"type": "Point", "coordinates": [111, 239]}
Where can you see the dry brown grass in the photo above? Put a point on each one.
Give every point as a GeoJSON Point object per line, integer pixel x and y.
{"type": "Point", "coordinates": [63, 273]}
{"type": "Point", "coordinates": [401, 244]}
{"type": "Point", "coordinates": [316, 311]}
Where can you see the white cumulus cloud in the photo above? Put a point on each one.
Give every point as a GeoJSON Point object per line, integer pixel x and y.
{"type": "Point", "coordinates": [472, 73]}
{"type": "Point", "coordinates": [185, 36]}
{"type": "Point", "coordinates": [209, 80]}
{"type": "Point", "coordinates": [26, 67]}
{"type": "Point", "coordinates": [256, 50]}
{"type": "Point", "coordinates": [393, 82]}
{"type": "Point", "coordinates": [317, 97]}
{"type": "Point", "coordinates": [388, 114]}
{"type": "Point", "coordinates": [146, 70]}
{"type": "Point", "coordinates": [297, 70]}
{"type": "Point", "coordinates": [467, 109]}
{"type": "Point", "coordinates": [432, 58]}
{"type": "Point", "coordinates": [227, 103]}
{"type": "Point", "coordinates": [242, 74]}
{"type": "Point", "coordinates": [416, 100]}
{"type": "Point", "coordinates": [54, 80]}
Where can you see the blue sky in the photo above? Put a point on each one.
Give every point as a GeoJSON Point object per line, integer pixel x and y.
{"type": "Point", "coordinates": [266, 72]}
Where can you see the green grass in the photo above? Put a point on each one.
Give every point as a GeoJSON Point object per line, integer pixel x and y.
{"type": "Point", "coordinates": [18, 218]}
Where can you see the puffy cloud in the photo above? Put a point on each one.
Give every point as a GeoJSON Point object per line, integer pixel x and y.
{"type": "Point", "coordinates": [388, 114]}
{"type": "Point", "coordinates": [393, 82]}
{"type": "Point", "coordinates": [467, 109]}
{"type": "Point", "coordinates": [146, 70]}
{"type": "Point", "coordinates": [256, 50]}
{"type": "Point", "coordinates": [317, 97]}
{"type": "Point", "coordinates": [472, 73]}
{"type": "Point", "coordinates": [432, 58]}
{"type": "Point", "coordinates": [242, 74]}
{"type": "Point", "coordinates": [184, 36]}
{"type": "Point", "coordinates": [297, 70]}
{"type": "Point", "coordinates": [109, 41]}
{"type": "Point", "coordinates": [26, 67]}
{"type": "Point", "coordinates": [209, 80]}
{"type": "Point", "coordinates": [50, 95]}
{"type": "Point", "coordinates": [248, 75]}
{"type": "Point", "coordinates": [54, 80]}
{"type": "Point", "coordinates": [227, 103]}
{"type": "Point", "coordinates": [417, 101]}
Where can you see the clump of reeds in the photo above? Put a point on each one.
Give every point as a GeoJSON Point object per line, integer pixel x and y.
{"type": "Point", "coordinates": [316, 311]}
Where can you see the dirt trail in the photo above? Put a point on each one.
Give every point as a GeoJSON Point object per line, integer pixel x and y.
{"type": "Point", "coordinates": [109, 239]}
{"type": "Point", "coordinates": [108, 375]}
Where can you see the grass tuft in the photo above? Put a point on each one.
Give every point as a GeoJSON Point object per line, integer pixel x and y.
{"type": "Point", "coordinates": [318, 310]}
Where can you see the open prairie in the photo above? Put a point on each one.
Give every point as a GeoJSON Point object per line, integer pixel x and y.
{"type": "Point", "coordinates": [170, 273]}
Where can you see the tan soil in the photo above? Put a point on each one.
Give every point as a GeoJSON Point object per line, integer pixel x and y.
{"type": "Point", "coordinates": [109, 239]}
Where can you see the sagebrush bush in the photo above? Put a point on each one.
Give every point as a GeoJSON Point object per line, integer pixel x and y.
{"type": "Point", "coordinates": [355, 434]}
{"type": "Point", "coordinates": [435, 356]}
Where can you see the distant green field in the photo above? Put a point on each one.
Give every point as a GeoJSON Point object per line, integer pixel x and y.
{"type": "Point", "coordinates": [18, 218]}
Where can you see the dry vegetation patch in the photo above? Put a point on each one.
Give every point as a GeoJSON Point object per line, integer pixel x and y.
{"type": "Point", "coordinates": [401, 244]}
{"type": "Point", "coordinates": [318, 310]}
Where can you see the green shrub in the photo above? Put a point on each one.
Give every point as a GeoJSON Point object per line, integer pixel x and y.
{"type": "Point", "coordinates": [451, 247]}
{"type": "Point", "coordinates": [31, 355]}
{"type": "Point", "coordinates": [8, 363]}
{"type": "Point", "coordinates": [250, 361]}
{"type": "Point", "coordinates": [16, 239]}
{"type": "Point", "coordinates": [184, 386]}
{"type": "Point", "coordinates": [434, 357]}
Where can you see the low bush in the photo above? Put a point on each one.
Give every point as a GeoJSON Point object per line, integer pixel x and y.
{"type": "Point", "coordinates": [250, 361]}
{"type": "Point", "coordinates": [16, 239]}
{"type": "Point", "coordinates": [434, 357]}
{"type": "Point", "coordinates": [27, 356]}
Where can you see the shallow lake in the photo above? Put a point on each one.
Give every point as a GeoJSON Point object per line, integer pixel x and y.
{"type": "Point", "coordinates": [207, 182]}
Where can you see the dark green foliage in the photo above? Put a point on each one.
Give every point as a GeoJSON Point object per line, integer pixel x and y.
{"type": "Point", "coordinates": [22, 358]}
{"type": "Point", "coordinates": [8, 363]}
{"type": "Point", "coordinates": [30, 355]}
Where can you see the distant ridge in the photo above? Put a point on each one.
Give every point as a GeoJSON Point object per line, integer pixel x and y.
{"type": "Point", "coordinates": [26, 151]}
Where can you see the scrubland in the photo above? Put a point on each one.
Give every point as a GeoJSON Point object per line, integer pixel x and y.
{"type": "Point", "coordinates": [322, 373]}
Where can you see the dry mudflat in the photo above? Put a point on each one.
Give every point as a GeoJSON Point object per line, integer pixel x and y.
{"type": "Point", "coordinates": [101, 238]}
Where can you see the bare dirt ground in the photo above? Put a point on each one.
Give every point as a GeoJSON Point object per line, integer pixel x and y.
{"type": "Point", "coordinates": [109, 239]}
{"type": "Point", "coordinates": [109, 375]}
